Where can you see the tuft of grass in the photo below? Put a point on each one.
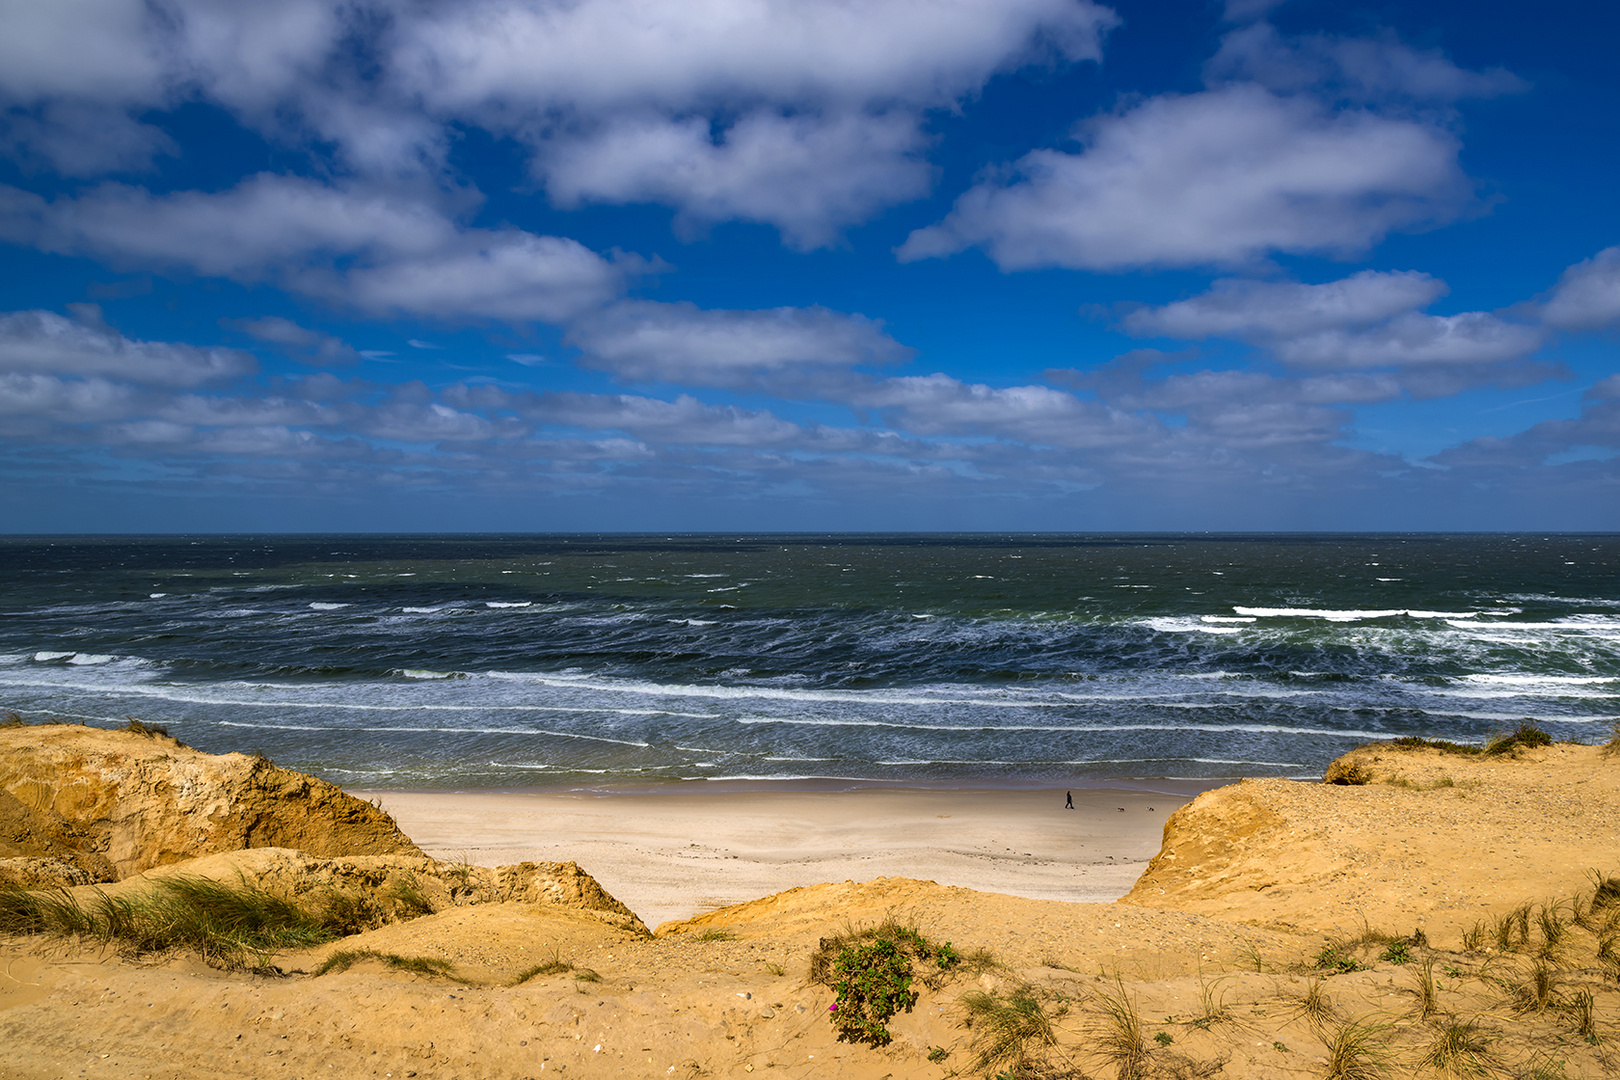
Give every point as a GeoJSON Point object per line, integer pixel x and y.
{"type": "Point", "coordinates": [1473, 938]}
{"type": "Point", "coordinates": [1608, 956]}
{"type": "Point", "coordinates": [405, 894]}
{"type": "Point", "coordinates": [1397, 952]}
{"type": "Point", "coordinates": [1414, 742]}
{"type": "Point", "coordinates": [555, 966]}
{"type": "Point", "coordinates": [586, 975]}
{"type": "Point", "coordinates": [344, 959]}
{"type": "Point", "coordinates": [715, 934]}
{"type": "Point", "coordinates": [1212, 1006]}
{"type": "Point", "coordinates": [1581, 1019]}
{"type": "Point", "coordinates": [1357, 1051]}
{"type": "Point", "coordinates": [1460, 1049]}
{"type": "Point", "coordinates": [1119, 1038]}
{"type": "Point", "coordinates": [151, 731]}
{"type": "Point", "coordinates": [1512, 931]}
{"type": "Point", "coordinates": [1524, 736]}
{"type": "Point", "coordinates": [1426, 1001]}
{"type": "Point", "coordinates": [1605, 891]}
{"type": "Point", "coordinates": [1612, 747]}
{"type": "Point", "coordinates": [11, 719]}
{"type": "Point", "coordinates": [1336, 958]}
{"type": "Point", "coordinates": [1313, 1005]}
{"type": "Point", "coordinates": [1536, 993]}
{"type": "Point", "coordinates": [1011, 1032]}
{"type": "Point", "coordinates": [1249, 954]}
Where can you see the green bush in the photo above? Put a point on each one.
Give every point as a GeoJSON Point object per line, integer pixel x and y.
{"type": "Point", "coordinates": [871, 975]}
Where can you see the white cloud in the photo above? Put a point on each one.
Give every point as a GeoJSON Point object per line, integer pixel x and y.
{"type": "Point", "coordinates": [107, 50]}
{"type": "Point", "coordinates": [684, 421]}
{"type": "Point", "coordinates": [1368, 320]}
{"type": "Point", "coordinates": [941, 405]}
{"type": "Point", "coordinates": [806, 174]}
{"type": "Point", "coordinates": [1219, 177]}
{"type": "Point", "coordinates": [607, 56]}
{"type": "Point", "coordinates": [1587, 296]}
{"type": "Point", "coordinates": [1474, 337]}
{"type": "Point", "coordinates": [402, 253]}
{"type": "Point", "coordinates": [82, 139]}
{"type": "Point", "coordinates": [510, 275]}
{"type": "Point", "coordinates": [614, 98]}
{"type": "Point", "coordinates": [1264, 310]}
{"type": "Point", "coordinates": [69, 401]}
{"type": "Point", "coordinates": [1376, 69]}
{"type": "Point", "coordinates": [304, 345]}
{"type": "Point", "coordinates": [683, 343]}
{"type": "Point", "coordinates": [264, 221]}
{"type": "Point", "coordinates": [46, 343]}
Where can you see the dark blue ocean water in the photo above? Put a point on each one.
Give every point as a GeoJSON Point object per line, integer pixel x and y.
{"type": "Point", "coordinates": [544, 661]}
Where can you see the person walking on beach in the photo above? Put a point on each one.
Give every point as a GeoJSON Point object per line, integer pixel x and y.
{"type": "Point", "coordinates": [1068, 800]}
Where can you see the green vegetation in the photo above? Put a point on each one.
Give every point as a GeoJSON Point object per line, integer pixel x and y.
{"type": "Point", "coordinates": [1119, 1039]}
{"type": "Point", "coordinates": [555, 966]}
{"type": "Point", "coordinates": [1396, 953]}
{"type": "Point", "coordinates": [1414, 742]}
{"type": "Point", "coordinates": [231, 926]}
{"type": "Point", "coordinates": [1357, 1051]}
{"type": "Point", "coordinates": [871, 973]}
{"type": "Point", "coordinates": [1459, 1048]}
{"type": "Point", "coordinates": [1315, 1007]}
{"type": "Point", "coordinates": [1525, 735]}
{"type": "Point", "coordinates": [344, 959]}
{"type": "Point", "coordinates": [716, 935]}
{"type": "Point", "coordinates": [1011, 1032]}
{"type": "Point", "coordinates": [1337, 959]}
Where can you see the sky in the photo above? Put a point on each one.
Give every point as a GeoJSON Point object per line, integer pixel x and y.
{"type": "Point", "coordinates": [808, 265]}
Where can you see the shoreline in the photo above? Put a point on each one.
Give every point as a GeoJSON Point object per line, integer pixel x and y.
{"type": "Point", "coordinates": [672, 854]}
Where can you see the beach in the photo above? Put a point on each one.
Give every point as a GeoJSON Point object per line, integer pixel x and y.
{"type": "Point", "coordinates": [674, 854]}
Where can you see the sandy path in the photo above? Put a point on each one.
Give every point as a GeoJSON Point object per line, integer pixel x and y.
{"type": "Point", "coordinates": [673, 855]}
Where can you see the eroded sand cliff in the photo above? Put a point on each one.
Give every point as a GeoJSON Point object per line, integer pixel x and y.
{"type": "Point", "coordinates": [1271, 928]}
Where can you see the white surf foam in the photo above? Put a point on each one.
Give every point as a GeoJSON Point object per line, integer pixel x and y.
{"type": "Point", "coordinates": [1185, 624]}
{"type": "Point", "coordinates": [508, 603]}
{"type": "Point", "coordinates": [328, 607]}
{"type": "Point", "coordinates": [1352, 615]}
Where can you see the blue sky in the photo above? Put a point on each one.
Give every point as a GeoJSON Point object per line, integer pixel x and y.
{"type": "Point", "coordinates": [808, 264]}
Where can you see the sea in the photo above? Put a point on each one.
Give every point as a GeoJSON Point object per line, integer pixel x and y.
{"type": "Point", "coordinates": [638, 662]}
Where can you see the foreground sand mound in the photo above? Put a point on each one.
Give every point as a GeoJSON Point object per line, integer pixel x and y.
{"type": "Point", "coordinates": [1430, 839]}
{"type": "Point", "coordinates": [402, 886]}
{"type": "Point", "coordinates": [1023, 933]}
{"type": "Point", "coordinates": [115, 803]}
{"type": "Point", "coordinates": [726, 995]}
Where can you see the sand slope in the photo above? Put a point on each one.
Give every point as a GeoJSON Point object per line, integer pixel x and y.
{"type": "Point", "coordinates": [1213, 953]}
{"type": "Point", "coordinates": [1399, 852]}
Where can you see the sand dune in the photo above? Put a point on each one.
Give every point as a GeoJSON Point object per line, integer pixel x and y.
{"type": "Point", "coordinates": [1263, 897]}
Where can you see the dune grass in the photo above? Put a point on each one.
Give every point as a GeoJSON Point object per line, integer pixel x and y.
{"type": "Point", "coordinates": [343, 959]}
{"type": "Point", "coordinates": [1011, 1032]}
{"type": "Point", "coordinates": [231, 925]}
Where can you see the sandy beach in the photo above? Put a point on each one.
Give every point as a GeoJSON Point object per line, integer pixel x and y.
{"type": "Point", "coordinates": [672, 855]}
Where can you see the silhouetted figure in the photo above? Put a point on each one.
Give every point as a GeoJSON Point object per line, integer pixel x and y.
{"type": "Point", "coordinates": [1068, 800]}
